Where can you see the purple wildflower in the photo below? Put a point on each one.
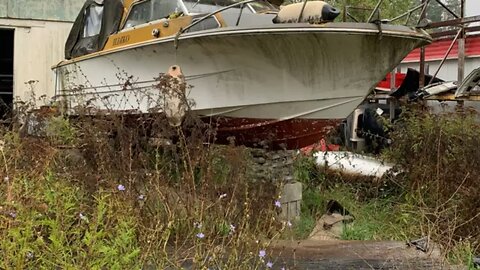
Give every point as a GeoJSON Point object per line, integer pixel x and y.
{"type": "Point", "coordinates": [269, 264]}
{"type": "Point", "coordinates": [12, 214]}
{"type": "Point", "coordinates": [121, 187]}
{"type": "Point", "coordinates": [278, 204]}
{"type": "Point", "coordinates": [262, 253]}
{"type": "Point", "coordinates": [200, 235]}
{"type": "Point", "coordinates": [283, 268]}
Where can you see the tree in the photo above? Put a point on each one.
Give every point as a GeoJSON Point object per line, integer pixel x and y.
{"type": "Point", "coordinates": [361, 9]}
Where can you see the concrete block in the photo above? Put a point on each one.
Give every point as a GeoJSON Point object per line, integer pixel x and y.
{"type": "Point", "coordinates": [291, 199]}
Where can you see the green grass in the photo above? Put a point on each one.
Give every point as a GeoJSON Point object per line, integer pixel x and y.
{"type": "Point", "coordinates": [119, 206]}
{"type": "Point", "coordinates": [375, 219]}
{"type": "Point", "coordinates": [304, 226]}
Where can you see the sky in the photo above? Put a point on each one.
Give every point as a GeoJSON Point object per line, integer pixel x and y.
{"type": "Point", "coordinates": [472, 8]}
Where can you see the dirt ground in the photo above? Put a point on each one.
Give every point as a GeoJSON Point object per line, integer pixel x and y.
{"type": "Point", "coordinates": [336, 254]}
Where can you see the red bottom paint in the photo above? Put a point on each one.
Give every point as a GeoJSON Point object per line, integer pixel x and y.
{"type": "Point", "coordinates": [271, 133]}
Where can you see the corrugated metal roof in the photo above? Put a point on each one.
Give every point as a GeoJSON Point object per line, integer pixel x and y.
{"type": "Point", "coordinates": [438, 49]}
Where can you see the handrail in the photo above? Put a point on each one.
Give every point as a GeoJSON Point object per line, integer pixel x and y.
{"type": "Point", "coordinates": [409, 12]}
{"type": "Point", "coordinates": [240, 15]}
{"type": "Point", "coordinates": [301, 11]}
{"type": "Point", "coordinates": [446, 55]}
{"type": "Point", "coordinates": [182, 30]}
{"type": "Point", "coordinates": [375, 10]}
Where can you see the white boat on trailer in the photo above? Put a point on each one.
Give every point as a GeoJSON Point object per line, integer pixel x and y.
{"type": "Point", "coordinates": [289, 83]}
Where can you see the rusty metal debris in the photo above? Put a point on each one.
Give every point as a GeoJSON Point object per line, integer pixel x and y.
{"type": "Point", "coordinates": [331, 224]}
{"type": "Point", "coordinates": [420, 244]}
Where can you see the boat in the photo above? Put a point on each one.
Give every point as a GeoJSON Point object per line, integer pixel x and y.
{"type": "Point", "coordinates": [266, 76]}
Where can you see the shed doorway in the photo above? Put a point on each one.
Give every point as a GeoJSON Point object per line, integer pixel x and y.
{"type": "Point", "coordinates": [6, 72]}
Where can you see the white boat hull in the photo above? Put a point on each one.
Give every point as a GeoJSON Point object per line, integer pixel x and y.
{"type": "Point", "coordinates": [282, 72]}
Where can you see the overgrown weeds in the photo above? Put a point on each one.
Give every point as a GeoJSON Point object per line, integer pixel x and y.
{"type": "Point", "coordinates": [440, 156]}
{"type": "Point", "coordinates": [435, 196]}
{"type": "Point", "coordinates": [131, 192]}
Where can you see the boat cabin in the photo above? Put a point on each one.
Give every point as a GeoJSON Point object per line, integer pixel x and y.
{"type": "Point", "coordinates": [108, 24]}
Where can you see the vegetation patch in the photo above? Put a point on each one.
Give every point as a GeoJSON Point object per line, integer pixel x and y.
{"type": "Point", "coordinates": [110, 192]}
{"type": "Point", "coordinates": [436, 196]}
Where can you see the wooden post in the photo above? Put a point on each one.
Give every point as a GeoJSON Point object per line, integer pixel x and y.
{"type": "Point", "coordinates": [392, 100]}
{"type": "Point", "coordinates": [422, 53]}
{"type": "Point", "coordinates": [461, 53]}
{"type": "Point", "coordinates": [461, 46]}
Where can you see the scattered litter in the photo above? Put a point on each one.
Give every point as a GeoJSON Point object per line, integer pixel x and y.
{"type": "Point", "coordinates": [335, 207]}
{"type": "Point", "coordinates": [476, 262]}
{"type": "Point", "coordinates": [379, 111]}
{"type": "Point", "coordinates": [353, 163]}
{"type": "Point", "coordinates": [320, 146]}
{"type": "Point", "coordinates": [420, 244]}
{"type": "Point", "coordinates": [331, 224]}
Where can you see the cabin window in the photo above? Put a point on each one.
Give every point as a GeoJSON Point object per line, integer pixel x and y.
{"type": "Point", "coordinates": [93, 21]}
{"type": "Point", "coordinates": [209, 23]}
{"type": "Point", "coordinates": [151, 10]}
{"type": "Point", "coordinates": [206, 6]}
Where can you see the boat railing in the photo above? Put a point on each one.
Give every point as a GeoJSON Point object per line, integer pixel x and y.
{"type": "Point", "coordinates": [242, 4]}
{"type": "Point", "coordinates": [374, 14]}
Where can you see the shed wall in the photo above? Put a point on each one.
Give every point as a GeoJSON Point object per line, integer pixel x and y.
{"type": "Point", "coordinates": [38, 45]}
{"type": "Point", "coordinates": [52, 10]}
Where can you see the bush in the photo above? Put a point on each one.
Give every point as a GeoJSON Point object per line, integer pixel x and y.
{"type": "Point", "coordinates": [116, 199]}
{"type": "Point", "coordinates": [439, 153]}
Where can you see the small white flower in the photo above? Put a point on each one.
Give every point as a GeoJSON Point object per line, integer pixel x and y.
{"type": "Point", "coordinates": [224, 195]}
{"type": "Point", "coordinates": [30, 255]}
{"type": "Point", "coordinates": [82, 217]}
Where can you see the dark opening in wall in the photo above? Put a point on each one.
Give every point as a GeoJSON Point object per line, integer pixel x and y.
{"type": "Point", "coordinates": [6, 72]}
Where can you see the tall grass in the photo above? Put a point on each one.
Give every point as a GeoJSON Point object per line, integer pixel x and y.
{"type": "Point", "coordinates": [436, 195]}
{"type": "Point", "coordinates": [439, 153]}
{"type": "Point", "coordinates": [130, 192]}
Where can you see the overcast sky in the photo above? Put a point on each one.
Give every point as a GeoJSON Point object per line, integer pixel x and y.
{"type": "Point", "coordinates": [472, 8]}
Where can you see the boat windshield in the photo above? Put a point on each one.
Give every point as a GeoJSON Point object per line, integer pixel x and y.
{"type": "Point", "coordinates": [151, 10]}
{"type": "Point", "coordinates": [204, 6]}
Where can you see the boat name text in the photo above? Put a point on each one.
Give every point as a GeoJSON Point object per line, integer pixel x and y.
{"type": "Point", "coordinates": [121, 40]}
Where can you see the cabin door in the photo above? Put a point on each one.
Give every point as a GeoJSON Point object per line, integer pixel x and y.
{"type": "Point", "coordinates": [6, 72]}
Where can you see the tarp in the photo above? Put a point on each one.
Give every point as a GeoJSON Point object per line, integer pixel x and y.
{"type": "Point", "coordinates": [86, 36]}
{"type": "Point", "coordinates": [411, 83]}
